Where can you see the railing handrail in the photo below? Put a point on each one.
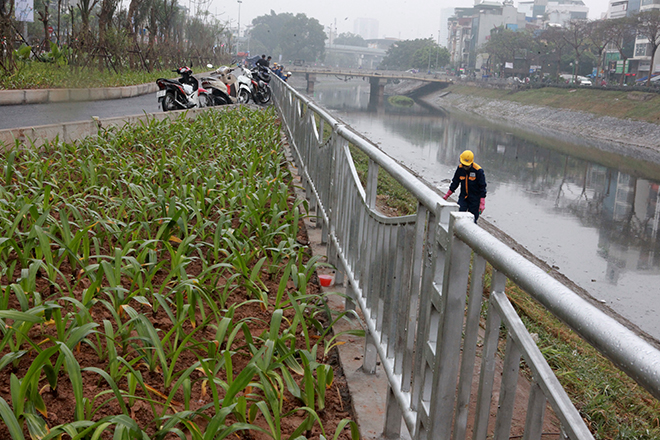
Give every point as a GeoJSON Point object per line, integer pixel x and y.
{"type": "Point", "coordinates": [423, 193]}
{"type": "Point", "coordinates": [627, 350]}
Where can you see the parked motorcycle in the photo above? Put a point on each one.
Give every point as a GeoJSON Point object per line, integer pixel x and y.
{"type": "Point", "coordinates": [239, 84]}
{"type": "Point", "coordinates": [219, 91]}
{"type": "Point", "coordinates": [261, 89]}
{"type": "Point", "coordinates": [183, 93]}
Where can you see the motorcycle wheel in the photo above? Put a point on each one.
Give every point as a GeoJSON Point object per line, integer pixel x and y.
{"type": "Point", "coordinates": [266, 95]}
{"type": "Point", "coordinates": [243, 96]}
{"type": "Point", "coordinates": [169, 102]}
{"type": "Point", "coordinates": [204, 101]}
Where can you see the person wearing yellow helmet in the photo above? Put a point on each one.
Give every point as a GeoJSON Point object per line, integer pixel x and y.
{"type": "Point", "coordinates": [472, 180]}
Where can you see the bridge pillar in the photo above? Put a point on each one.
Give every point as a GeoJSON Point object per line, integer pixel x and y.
{"type": "Point", "coordinates": [311, 79]}
{"type": "Point", "coordinates": [376, 93]}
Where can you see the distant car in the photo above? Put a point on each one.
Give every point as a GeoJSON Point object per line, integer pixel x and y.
{"type": "Point", "coordinates": [581, 80]}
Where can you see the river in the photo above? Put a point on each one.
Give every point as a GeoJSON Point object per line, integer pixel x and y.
{"type": "Point", "coordinates": [592, 216]}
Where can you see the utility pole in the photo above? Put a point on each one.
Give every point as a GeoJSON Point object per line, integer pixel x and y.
{"type": "Point", "coordinates": [238, 32]}
{"type": "Point", "coordinates": [429, 69]}
{"type": "Point", "coordinates": [437, 52]}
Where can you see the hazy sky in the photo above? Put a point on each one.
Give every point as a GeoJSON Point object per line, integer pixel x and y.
{"type": "Point", "coordinates": [405, 19]}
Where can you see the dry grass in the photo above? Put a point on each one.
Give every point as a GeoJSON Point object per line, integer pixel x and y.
{"type": "Point", "coordinates": [637, 106]}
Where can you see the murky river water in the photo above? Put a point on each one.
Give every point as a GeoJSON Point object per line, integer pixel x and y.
{"type": "Point", "coordinates": [592, 215]}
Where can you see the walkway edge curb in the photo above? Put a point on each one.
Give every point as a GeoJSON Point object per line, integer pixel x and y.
{"type": "Point", "coordinates": [43, 96]}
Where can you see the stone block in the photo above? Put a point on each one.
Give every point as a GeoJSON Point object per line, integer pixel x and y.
{"type": "Point", "coordinates": [36, 96]}
{"type": "Point", "coordinates": [58, 95]}
{"type": "Point", "coordinates": [12, 97]}
{"type": "Point", "coordinates": [79, 94]}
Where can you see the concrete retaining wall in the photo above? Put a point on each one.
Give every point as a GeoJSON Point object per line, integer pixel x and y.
{"type": "Point", "coordinates": [39, 96]}
{"type": "Point", "coordinates": [70, 131]}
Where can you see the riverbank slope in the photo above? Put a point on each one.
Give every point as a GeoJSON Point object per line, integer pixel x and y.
{"type": "Point", "coordinates": [618, 122]}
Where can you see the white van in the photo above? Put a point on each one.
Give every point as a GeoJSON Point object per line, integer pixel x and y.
{"type": "Point", "coordinates": [581, 80]}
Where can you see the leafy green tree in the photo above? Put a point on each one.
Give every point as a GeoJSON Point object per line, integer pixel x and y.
{"type": "Point", "coordinates": [292, 36]}
{"type": "Point", "coordinates": [266, 30]}
{"type": "Point", "coordinates": [400, 55]}
{"type": "Point", "coordinates": [430, 57]}
{"type": "Point", "coordinates": [506, 45]}
{"type": "Point", "coordinates": [350, 39]}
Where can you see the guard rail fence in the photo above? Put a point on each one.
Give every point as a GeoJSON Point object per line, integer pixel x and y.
{"type": "Point", "coordinates": [410, 275]}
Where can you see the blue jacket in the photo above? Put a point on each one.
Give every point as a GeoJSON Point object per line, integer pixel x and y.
{"type": "Point", "coordinates": [472, 182]}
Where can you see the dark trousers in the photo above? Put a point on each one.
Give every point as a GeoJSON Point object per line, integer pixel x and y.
{"type": "Point", "coordinates": [469, 205]}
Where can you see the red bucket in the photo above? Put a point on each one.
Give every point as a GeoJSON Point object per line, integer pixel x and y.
{"type": "Point", "coordinates": [326, 280]}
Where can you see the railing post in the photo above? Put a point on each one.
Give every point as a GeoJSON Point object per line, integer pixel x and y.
{"type": "Point", "coordinates": [487, 374]}
{"type": "Point", "coordinates": [370, 354]}
{"type": "Point", "coordinates": [452, 309]}
{"type": "Point", "coordinates": [393, 414]}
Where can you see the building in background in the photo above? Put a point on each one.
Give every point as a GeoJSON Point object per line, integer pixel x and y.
{"type": "Point", "coordinates": [641, 60]}
{"type": "Point", "coordinates": [470, 28]}
{"type": "Point", "coordinates": [443, 31]}
{"type": "Point", "coordinates": [366, 27]}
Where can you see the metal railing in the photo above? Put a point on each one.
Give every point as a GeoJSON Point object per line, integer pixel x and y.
{"type": "Point", "coordinates": [410, 277]}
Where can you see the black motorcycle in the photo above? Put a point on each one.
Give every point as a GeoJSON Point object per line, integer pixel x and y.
{"type": "Point", "coordinates": [261, 90]}
{"type": "Point", "coordinates": [182, 93]}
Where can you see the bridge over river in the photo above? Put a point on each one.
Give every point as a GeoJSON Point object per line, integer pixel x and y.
{"type": "Point", "coordinates": [377, 79]}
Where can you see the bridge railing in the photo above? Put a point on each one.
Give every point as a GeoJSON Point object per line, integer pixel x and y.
{"type": "Point", "coordinates": [410, 277]}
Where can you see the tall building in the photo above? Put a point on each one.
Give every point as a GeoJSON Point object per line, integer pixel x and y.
{"type": "Point", "coordinates": [622, 8]}
{"type": "Point", "coordinates": [470, 28]}
{"type": "Point", "coordinates": [553, 12]}
{"type": "Point", "coordinates": [366, 27]}
{"type": "Point", "coordinates": [443, 32]}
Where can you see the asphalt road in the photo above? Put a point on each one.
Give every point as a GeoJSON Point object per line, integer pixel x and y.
{"type": "Point", "coordinates": [30, 115]}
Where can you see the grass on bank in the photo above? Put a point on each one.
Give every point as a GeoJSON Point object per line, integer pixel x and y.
{"type": "Point", "coordinates": [36, 75]}
{"type": "Point", "coordinates": [637, 106]}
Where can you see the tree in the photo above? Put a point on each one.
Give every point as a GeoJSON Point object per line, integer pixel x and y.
{"type": "Point", "coordinates": [599, 36]}
{"type": "Point", "coordinates": [623, 32]}
{"type": "Point", "coordinates": [400, 55]}
{"type": "Point", "coordinates": [350, 39]}
{"type": "Point", "coordinates": [554, 44]}
{"type": "Point", "coordinates": [506, 45]}
{"type": "Point", "coordinates": [6, 34]}
{"type": "Point", "coordinates": [648, 26]}
{"type": "Point", "coordinates": [292, 36]}
{"type": "Point", "coordinates": [303, 38]}
{"type": "Point", "coordinates": [430, 57]}
{"type": "Point", "coordinates": [266, 30]}
{"type": "Point", "coordinates": [576, 34]}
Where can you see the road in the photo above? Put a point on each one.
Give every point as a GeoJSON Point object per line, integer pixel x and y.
{"type": "Point", "coordinates": [30, 115]}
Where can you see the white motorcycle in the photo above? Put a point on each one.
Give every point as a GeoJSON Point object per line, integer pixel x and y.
{"type": "Point", "coordinates": [239, 84]}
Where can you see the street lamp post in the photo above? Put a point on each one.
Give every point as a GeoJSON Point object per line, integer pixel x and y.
{"type": "Point", "coordinates": [238, 33]}
{"type": "Point", "coordinates": [430, 50]}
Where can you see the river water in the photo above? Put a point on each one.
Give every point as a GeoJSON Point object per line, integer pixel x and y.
{"type": "Point", "coordinates": [593, 216]}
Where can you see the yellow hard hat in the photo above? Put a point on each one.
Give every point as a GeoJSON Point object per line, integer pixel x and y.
{"type": "Point", "coordinates": [467, 157]}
